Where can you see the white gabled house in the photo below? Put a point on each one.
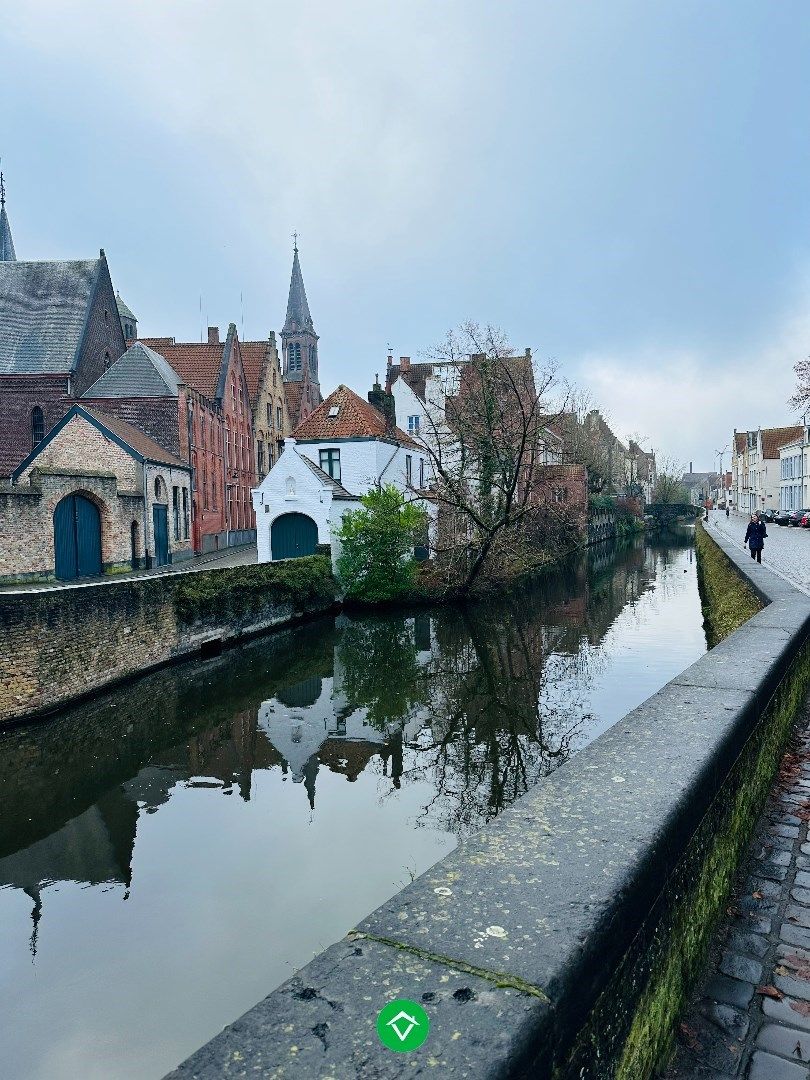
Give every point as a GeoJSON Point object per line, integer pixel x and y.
{"type": "Point", "coordinates": [344, 449]}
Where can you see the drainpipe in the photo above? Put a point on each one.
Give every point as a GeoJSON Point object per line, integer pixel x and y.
{"type": "Point", "coordinates": [145, 517]}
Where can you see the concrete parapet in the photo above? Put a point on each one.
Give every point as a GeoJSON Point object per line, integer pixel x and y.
{"type": "Point", "coordinates": [562, 938]}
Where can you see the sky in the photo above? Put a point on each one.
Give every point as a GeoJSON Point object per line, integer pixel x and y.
{"type": "Point", "coordinates": [621, 186]}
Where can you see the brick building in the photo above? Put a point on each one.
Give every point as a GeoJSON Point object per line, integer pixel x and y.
{"type": "Point", "coordinates": [59, 331]}
{"type": "Point", "coordinates": [216, 435]}
{"type": "Point", "coordinates": [299, 344]}
{"type": "Point", "coordinates": [268, 402]}
{"type": "Point", "coordinates": [95, 494]}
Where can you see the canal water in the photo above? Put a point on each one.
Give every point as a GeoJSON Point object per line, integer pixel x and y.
{"type": "Point", "coordinates": [173, 851]}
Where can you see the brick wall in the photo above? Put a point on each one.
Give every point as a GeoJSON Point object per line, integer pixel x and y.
{"type": "Point", "coordinates": [60, 644]}
{"type": "Point", "coordinates": [158, 417]}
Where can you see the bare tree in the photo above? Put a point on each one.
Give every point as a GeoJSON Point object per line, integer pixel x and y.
{"type": "Point", "coordinates": [801, 398]}
{"type": "Point", "coordinates": [491, 443]}
{"type": "Point", "coordinates": [590, 442]}
{"type": "Point", "coordinates": [669, 487]}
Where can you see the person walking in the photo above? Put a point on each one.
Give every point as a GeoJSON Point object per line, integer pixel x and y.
{"type": "Point", "coordinates": [755, 537]}
{"type": "Point", "coordinates": [727, 511]}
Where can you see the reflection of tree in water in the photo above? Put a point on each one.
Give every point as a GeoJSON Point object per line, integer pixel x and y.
{"type": "Point", "coordinates": [380, 668]}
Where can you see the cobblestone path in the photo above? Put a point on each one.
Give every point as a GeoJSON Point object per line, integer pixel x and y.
{"type": "Point", "coordinates": [787, 550]}
{"type": "Point", "coordinates": [750, 1017]}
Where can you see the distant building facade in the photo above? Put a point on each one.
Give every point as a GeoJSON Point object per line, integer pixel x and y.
{"type": "Point", "coordinates": [268, 402]}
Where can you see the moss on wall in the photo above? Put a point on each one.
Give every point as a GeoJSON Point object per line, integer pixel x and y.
{"type": "Point", "coordinates": [629, 1032]}
{"type": "Point", "coordinates": [726, 599]}
{"type": "Point", "coordinates": [238, 591]}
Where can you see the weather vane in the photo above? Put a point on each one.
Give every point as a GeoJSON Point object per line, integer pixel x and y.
{"type": "Point", "coordinates": [295, 241]}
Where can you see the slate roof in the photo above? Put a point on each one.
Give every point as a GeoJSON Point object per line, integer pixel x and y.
{"type": "Point", "coordinates": [123, 310]}
{"type": "Point", "coordinates": [323, 476]}
{"type": "Point", "coordinates": [355, 419]}
{"type": "Point", "coordinates": [298, 318]}
{"type": "Point", "coordinates": [139, 373]}
{"type": "Point", "coordinates": [774, 438]}
{"type": "Point", "coordinates": [198, 364]}
{"type": "Point", "coordinates": [43, 308]}
{"type": "Point", "coordinates": [7, 253]}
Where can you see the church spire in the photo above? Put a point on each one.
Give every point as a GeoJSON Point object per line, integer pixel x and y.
{"type": "Point", "coordinates": [298, 319]}
{"type": "Point", "coordinates": [7, 253]}
{"type": "Point", "coordinates": [300, 343]}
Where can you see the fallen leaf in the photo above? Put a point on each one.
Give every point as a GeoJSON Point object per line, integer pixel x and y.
{"type": "Point", "coordinates": [757, 895]}
{"type": "Point", "coordinates": [801, 1007]}
{"type": "Point", "coordinates": [771, 992]}
{"type": "Point", "coordinates": [799, 965]}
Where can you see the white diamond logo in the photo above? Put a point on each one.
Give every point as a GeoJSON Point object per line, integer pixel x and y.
{"type": "Point", "coordinates": [402, 1025]}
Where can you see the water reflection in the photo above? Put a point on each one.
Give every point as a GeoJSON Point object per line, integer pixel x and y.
{"type": "Point", "coordinates": [397, 733]}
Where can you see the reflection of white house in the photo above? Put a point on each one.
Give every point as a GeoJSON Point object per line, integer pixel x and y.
{"type": "Point", "coordinates": [343, 450]}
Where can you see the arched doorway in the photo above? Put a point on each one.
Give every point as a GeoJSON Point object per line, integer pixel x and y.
{"type": "Point", "coordinates": [160, 522]}
{"type": "Point", "coordinates": [76, 538]}
{"type": "Point", "coordinates": [292, 536]}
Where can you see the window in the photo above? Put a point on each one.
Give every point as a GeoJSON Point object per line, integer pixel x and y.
{"type": "Point", "coordinates": [330, 463]}
{"type": "Point", "coordinates": [313, 358]}
{"type": "Point", "coordinates": [185, 514]}
{"type": "Point", "coordinates": [278, 417]}
{"type": "Point", "coordinates": [160, 490]}
{"type": "Point", "coordinates": [269, 415]}
{"type": "Point", "coordinates": [421, 472]}
{"type": "Point", "coordinates": [260, 457]}
{"type": "Point", "coordinates": [37, 426]}
{"type": "Point", "coordinates": [176, 511]}
{"type": "Point", "coordinates": [408, 469]}
{"type": "Point", "coordinates": [413, 425]}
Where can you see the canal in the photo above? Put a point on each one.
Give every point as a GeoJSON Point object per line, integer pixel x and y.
{"type": "Point", "coordinates": [172, 851]}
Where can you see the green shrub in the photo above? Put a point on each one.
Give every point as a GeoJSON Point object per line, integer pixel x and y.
{"type": "Point", "coordinates": [376, 560]}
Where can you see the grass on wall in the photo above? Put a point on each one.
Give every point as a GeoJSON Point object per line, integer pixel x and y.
{"type": "Point", "coordinates": [237, 591]}
{"type": "Point", "coordinates": [726, 599]}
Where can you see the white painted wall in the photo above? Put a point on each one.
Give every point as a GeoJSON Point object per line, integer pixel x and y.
{"type": "Point", "coordinates": [290, 488]}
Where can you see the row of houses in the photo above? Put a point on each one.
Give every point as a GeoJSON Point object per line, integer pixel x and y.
{"type": "Point", "coordinates": [119, 451]}
{"type": "Point", "coordinates": [770, 469]}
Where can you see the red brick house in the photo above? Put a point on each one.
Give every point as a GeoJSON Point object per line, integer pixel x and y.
{"type": "Point", "coordinates": [59, 331]}
{"type": "Point", "coordinates": [214, 370]}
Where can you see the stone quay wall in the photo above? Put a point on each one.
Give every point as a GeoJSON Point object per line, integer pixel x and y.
{"type": "Point", "coordinates": [59, 645]}
{"type": "Point", "coordinates": [561, 939]}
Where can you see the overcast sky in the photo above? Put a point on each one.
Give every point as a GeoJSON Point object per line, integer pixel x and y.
{"type": "Point", "coordinates": [620, 184]}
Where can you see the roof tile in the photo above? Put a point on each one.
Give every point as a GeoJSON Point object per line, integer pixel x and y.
{"type": "Point", "coordinates": [354, 419]}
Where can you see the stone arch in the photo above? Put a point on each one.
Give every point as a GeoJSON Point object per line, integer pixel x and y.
{"type": "Point", "coordinates": [293, 536]}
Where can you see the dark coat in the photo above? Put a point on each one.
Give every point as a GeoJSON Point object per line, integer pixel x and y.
{"type": "Point", "coordinates": [755, 535]}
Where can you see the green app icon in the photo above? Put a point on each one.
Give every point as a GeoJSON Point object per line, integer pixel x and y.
{"type": "Point", "coordinates": [403, 1025]}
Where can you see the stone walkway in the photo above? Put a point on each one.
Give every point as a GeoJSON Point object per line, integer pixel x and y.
{"type": "Point", "coordinates": [787, 550]}
{"type": "Point", "coordinates": [236, 556]}
{"type": "Point", "coordinates": [750, 1017]}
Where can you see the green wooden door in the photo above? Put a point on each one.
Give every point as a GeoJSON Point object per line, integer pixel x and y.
{"type": "Point", "coordinates": [293, 536]}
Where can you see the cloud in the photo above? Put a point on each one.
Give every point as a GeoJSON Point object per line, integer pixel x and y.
{"type": "Point", "coordinates": [687, 402]}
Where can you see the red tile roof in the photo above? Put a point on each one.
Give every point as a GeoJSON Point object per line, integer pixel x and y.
{"type": "Point", "coordinates": [355, 419]}
{"type": "Point", "coordinates": [773, 438]}
{"type": "Point", "coordinates": [254, 354]}
{"type": "Point", "coordinates": [197, 363]}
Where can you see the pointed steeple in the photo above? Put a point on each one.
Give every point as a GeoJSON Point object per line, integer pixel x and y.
{"type": "Point", "coordinates": [299, 344]}
{"type": "Point", "coordinates": [298, 319]}
{"type": "Point", "coordinates": [7, 253]}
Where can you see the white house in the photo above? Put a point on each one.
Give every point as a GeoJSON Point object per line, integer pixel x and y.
{"type": "Point", "coordinates": [344, 449]}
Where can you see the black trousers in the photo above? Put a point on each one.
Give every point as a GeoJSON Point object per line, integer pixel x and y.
{"type": "Point", "coordinates": [756, 553]}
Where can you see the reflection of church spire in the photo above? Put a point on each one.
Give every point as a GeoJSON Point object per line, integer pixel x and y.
{"type": "Point", "coordinates": [310, 771]}
{"type": "Point", "coordinates": [36, 915]}
{"type": "Point", "coordinates": [396, 759]}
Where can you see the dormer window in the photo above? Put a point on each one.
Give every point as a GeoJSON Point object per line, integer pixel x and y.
{"type": "Point", "coordinates": [334, 411]}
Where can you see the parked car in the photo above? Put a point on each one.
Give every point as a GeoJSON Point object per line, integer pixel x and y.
{"type": "Point", "coordinates": [781, 517]}
{"type": "Point", "coordinates": [795, 517]}
{"type": "Point", "coordinates": [767, 516]}
{"type": "Point", "coordinates": [805, 522]}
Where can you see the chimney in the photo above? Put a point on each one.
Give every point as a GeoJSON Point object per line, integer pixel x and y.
{"type": "Point", "coordinates": [213, 335]}
{"type": "Point", "coordinates": [383, 402]}
{"type": "Point", "coordinates": [691, 470]}
{"type": "Point", "coordinates": [528, 354]}
{"type": "Point", "coordinates": [404, 363]}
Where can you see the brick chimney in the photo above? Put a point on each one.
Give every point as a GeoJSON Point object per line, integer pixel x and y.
{"type": "Point", "coordinates": [213, 335]}
{"type": "Point", "coordinates": [383, 402]}
{"type": "Point", "coordinates": [404, 363]}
